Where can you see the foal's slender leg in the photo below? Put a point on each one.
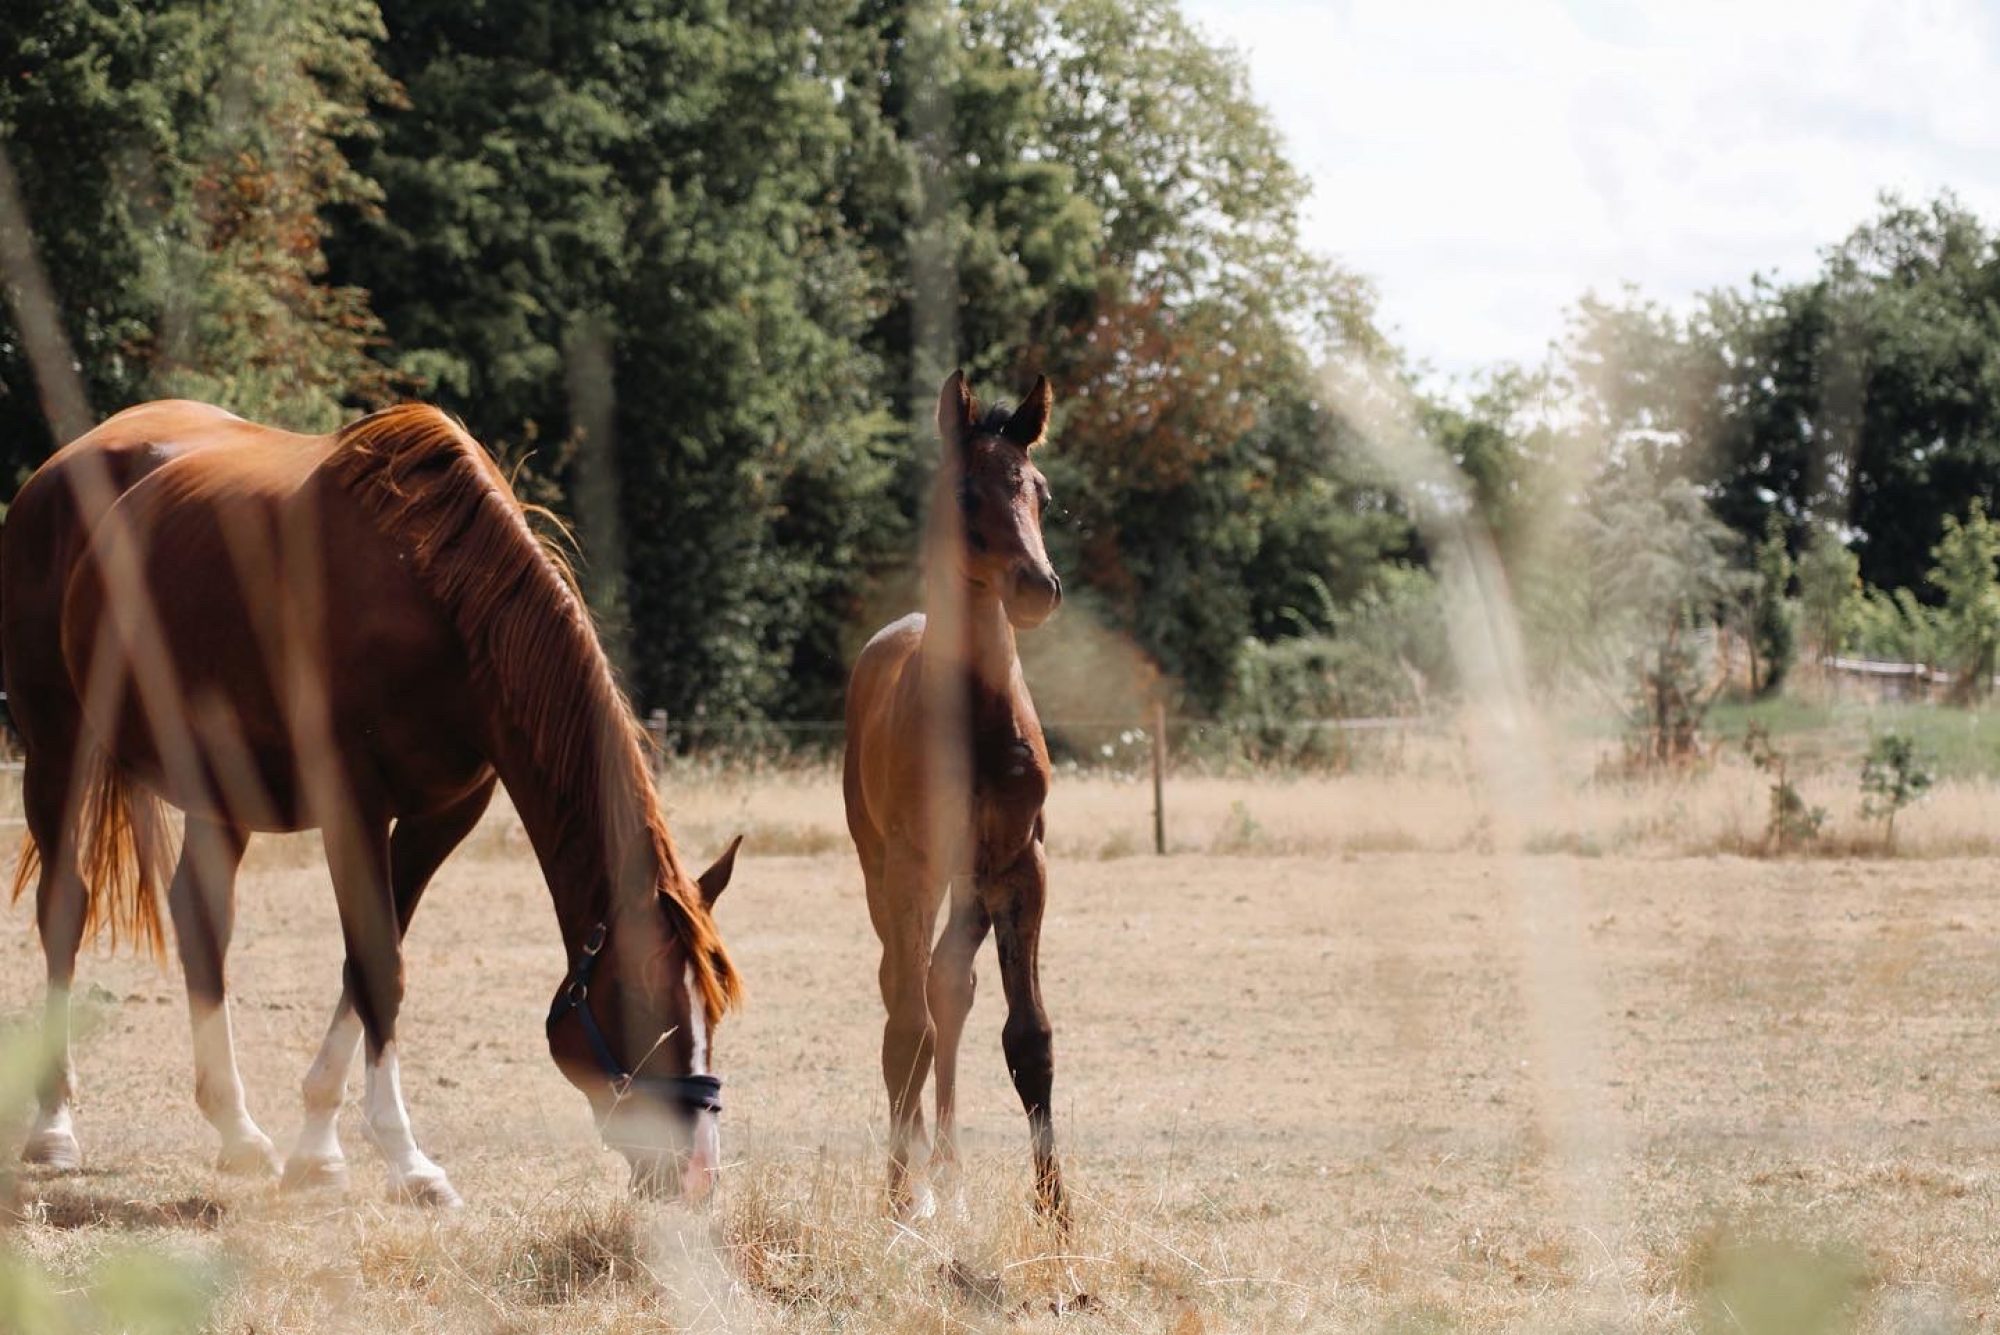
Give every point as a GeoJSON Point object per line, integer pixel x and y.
{"type": "Point", "coordinates": [904, 904]}
{"type": "Point", "coordinates": [357, 853]}
{"type": "Point", "coordinates": [1016, 899]}
{"type": "Point", "coordinates": [202, 902]}
{"type": "Point", "coordinates": [59, 912]}
{"type": "Point", "coordinates": [952, 984]}
{"type": "Point", "coordinates": [417, 848]}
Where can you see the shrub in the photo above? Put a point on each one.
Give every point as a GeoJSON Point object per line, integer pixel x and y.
{"type": "Point", "coordinates": [1894, 775]}
{"type": "Point", "coordinates": [1790, 824]}
{"type": "Point", "coordinates": [1385, 656]}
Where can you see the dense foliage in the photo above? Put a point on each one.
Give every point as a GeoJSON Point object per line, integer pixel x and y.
{"type": "Point", "coordinates": [701, 266]}
{"type": "Point", "coordinates": [696, 269]}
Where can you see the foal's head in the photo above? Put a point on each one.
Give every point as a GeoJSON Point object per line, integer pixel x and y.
{"type": "Point", "coordinates": [633, 1027]}
{"type": "Point", "coordinates": [997, 495]}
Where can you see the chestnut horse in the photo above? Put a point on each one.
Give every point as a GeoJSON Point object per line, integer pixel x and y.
{"type": "Point", "coordinates": [946, 774]}
{"type": "Point", "coordinates": [357, 633]}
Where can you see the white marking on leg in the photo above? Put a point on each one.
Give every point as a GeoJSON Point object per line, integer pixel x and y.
{"type": "Point", "coordinates": [218, 1092]}
{"type": "Point", "coordinates": [52, 1138]}
{"type": "Point", "coordinates": [412, 1176]}
{"type": "Point", "coordinates": [317, 1156]}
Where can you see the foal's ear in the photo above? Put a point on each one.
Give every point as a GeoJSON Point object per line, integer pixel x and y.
{"type": "Point", "coordinates": [1030, 422]}
{"type": "Point", "coordinates": [716, 879]}
{"type": "Point", "coordinates": [957, 410]}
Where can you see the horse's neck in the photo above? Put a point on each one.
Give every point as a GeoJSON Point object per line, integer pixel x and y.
{"type": "Point", "coordinates": [969, 634]}
{"type": "Point", "coordinates": [590, 844]}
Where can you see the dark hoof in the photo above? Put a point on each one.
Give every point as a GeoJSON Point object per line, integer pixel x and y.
{"type": "Point", "coordinates": [1052, 1204]}
{"type": "Point", "coordinates": [315, 1175]}
{"type": "Point", "coordinates": [57, 1150]}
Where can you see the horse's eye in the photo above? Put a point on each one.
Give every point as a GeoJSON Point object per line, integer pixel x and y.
{"type": "Point", "coordinates": [967, 502]}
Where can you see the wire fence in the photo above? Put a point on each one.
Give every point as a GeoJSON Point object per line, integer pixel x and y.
{"type": "Point", "coordinates": [1080, 740]}
{"type": "Point", "coordinates": [1136, 747]}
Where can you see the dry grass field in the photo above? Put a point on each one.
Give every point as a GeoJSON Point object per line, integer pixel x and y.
{"type": "Point", "coordinates": [1297, 1078]}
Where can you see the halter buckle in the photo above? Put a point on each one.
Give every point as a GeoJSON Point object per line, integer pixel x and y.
{"type": "Point", "coordinates": [595, 941]}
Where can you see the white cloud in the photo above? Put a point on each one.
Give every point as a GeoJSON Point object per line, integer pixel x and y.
{"type": "Point", "coordinates": [1486, 163]}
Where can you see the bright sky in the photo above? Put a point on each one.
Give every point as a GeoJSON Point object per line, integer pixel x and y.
{"type": "Point", "coordinates": [1487, 163]}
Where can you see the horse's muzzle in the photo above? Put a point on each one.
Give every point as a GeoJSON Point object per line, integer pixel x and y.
{"type": "Point", "coordinates": [687, 1171]}
{"type": "Point", "coordinates": [1036, 594]}
{"type": "Point", "coordinates": [667, 1177]}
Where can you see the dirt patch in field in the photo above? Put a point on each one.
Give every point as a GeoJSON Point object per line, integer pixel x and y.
{"type": "Point", "coordinates": [1293, 1093]}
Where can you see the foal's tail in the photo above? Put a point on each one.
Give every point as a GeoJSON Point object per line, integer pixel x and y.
{"type": "Point", "coordinates": [125, 856]}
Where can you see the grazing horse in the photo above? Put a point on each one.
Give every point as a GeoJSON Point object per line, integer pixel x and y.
{"type": "Point", "coordinates": [946, 774]}
{"type": "Point", "coordinates": [358, 633]}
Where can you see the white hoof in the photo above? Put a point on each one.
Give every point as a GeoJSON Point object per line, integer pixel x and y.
{"type": "Point", "coordinates": [315, 1174]}
{"type": "Point", "coordinates": [55, 1149]}
{"type": "Point", "coordinates": [919, 1207]}
{"type": "Point", "coordinates": [424, 1189]}
{"type": "Point", "coordinates": [251, 1156]}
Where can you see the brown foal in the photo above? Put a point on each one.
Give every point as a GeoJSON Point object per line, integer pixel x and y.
{"type": "Point", "coordinates": [946, 774]}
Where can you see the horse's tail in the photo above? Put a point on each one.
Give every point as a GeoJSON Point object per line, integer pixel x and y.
{"type": "Point", "coordinates": [125, 856]}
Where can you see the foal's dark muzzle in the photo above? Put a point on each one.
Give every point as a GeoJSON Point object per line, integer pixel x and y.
{"type": "Point", "coordinates": [1036, 594]}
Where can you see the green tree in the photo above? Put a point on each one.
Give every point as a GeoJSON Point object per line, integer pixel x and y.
{"type": "Point", "coordinates": [174, 160]}
{"type": "Point", "coordinates": [1773, 643]}
{"type": "Point", "coordinates": [1111, 207]}
{"type": "Point", "coordinates": [1897, 627]}
{"type": "Point", "coordinates": [1914, 388]}
{"type": "Point", "coordinates": [640, 209]}
{"type": "Point", "coordinates": [1969, 621]}
{"type": "Point", "coordinates": [1829, 592]}
{"type": "Point", "coordinates": [1632, 603]}
{"type": "Point", "coordinates": [1867, 395]}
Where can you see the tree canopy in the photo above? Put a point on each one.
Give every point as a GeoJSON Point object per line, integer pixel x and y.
{"type": "Point", "coordinates": [694, 271]}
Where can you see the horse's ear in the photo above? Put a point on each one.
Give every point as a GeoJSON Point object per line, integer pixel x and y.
{"type": "Point", "coordinates": [716, 879]}
{"type": "Point", "coordinates": [957, 410]}
{"type": "Point", "coordinates": [1030, 422]}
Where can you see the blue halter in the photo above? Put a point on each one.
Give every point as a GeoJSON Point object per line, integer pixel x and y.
{"type": "Point", "coordinates": [696, 1093]}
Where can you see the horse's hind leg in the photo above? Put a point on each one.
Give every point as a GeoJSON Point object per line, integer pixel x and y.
{"type": "Point", "coordinates": [1016, 899]}
{"type": "Point", "coordinates": [202, 902]}
{"type": "Point", "coordinates": [952, 984]}
{"type": "Point", "coordinates": [903, 902]}
{"type": "Point", "coordinates": [60, 904]}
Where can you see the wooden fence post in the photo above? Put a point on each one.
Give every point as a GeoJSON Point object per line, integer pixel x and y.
{"type": "Point", "coordinates": [1160, 777]}
{"type": "Point", "coordinates": [656, 726]}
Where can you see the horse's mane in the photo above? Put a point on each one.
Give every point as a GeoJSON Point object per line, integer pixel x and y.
{"type": "Point", "coordinates": [430, 488]}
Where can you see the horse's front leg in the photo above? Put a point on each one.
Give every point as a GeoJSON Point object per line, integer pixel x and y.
{"type": "Point", "coordinates": [951, 987]}
{"type": "Point", "coordinates": [202, 903]}
{"type": "Point", "coordinates": [1016, 898]}
{"type": "Point", "coordinates": [417, 848]}
{"type": "Point", "coordinates": [903, 903]}
{"type": "Point", "coordinates": [357, 853]}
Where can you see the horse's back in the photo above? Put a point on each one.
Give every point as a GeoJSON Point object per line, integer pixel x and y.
{"type": "Point", "coordinates": [138, 467]}
{"type": "Point", "coordinates": [872, 694]}
{"type": "Point", "coordinates": [72, 491]}
{"type": "Point", "coordinates": [256, 564]}
{"type": "Point", "coordinates": [51, 520]}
